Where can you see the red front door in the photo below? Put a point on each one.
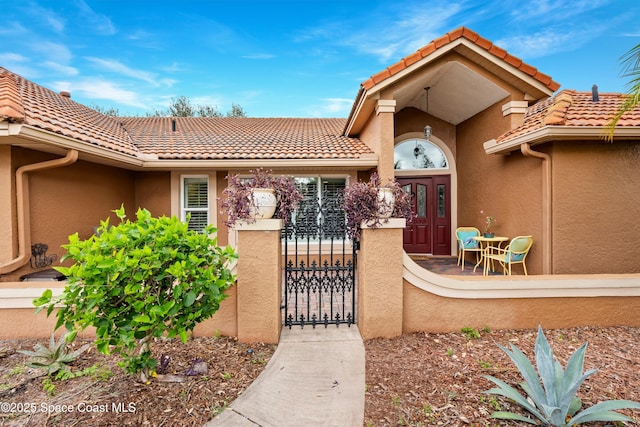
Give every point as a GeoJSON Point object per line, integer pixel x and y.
{"type": "Point", "coordinates": [430, 230]}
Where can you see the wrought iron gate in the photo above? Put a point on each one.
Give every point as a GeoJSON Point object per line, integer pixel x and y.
{"type": "Point", "coordinates": [319, 266]}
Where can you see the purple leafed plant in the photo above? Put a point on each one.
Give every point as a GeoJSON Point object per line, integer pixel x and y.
{"type": "Point", "coordinates": [237, 201]}
{"type": "Point", "coordinates": [362, 203]}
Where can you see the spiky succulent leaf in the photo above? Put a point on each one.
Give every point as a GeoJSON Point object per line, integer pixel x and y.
{"type": "Point", "coordinates": [509, 392]}
{"type": "Point", "coordinates": [503, 415]}
{"type": "Point", "coordinates": [573, 376]}
{"type": "Point", "coordinates": [555, 401]}
{"type": "Point", "coordinates": [54, 357]}
{"type": "Point", "coordinates": [575, 406]}
{"type": "Point", "coordinates": [554, 414]}
{"type": "Point", "coordinates": [603, 411]}
{"type": "Point", "coordinates": [528, 372]}
{"type": "Point", "coordinates": [550, 372]}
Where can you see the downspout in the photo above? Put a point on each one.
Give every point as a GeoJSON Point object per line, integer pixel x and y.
{"type": "Point", "coordinates": [23, 208]}
{"type": "Point", "coordinates": [525, 148]}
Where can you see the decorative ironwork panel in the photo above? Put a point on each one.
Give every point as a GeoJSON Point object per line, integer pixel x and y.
{"type": "Point", "coordinates": [320, 265]}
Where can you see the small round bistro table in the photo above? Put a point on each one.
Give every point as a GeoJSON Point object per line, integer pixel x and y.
{"type": "Point", "coordinates": [486, 242]}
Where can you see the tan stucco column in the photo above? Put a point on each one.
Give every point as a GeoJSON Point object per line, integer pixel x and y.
{"type": "Point", "coordinates": [259, 281]}
{"type": "Point", "coordinates": [380, 280]}
{"type": "Point", "coordinates": [7, 252]}
{"type": "Point", "coordinates": [385, 111]}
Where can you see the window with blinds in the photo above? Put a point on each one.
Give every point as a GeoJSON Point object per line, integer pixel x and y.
{"type": "Point", "coordinates": [195, 202]}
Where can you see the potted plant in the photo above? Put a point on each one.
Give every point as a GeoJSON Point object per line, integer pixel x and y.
{"type": "Point", "coordinates": [263, 195]}
{"type": "Point", "coordinates": [374, 203]}
{"type": "Point", "coordinates": [488, 223]}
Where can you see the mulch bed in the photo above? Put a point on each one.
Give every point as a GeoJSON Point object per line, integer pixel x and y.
{"type": "Point", "coordinates": [426, 379]}
{"type": "Point", "coordinates": [419, 379]}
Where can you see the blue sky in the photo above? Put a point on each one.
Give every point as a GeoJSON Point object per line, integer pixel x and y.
{"type": "Point", "coordinates": [290, 58]}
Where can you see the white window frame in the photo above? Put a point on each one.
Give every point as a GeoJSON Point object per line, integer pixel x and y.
{"type": "Point", "coordinates": [185, 210]}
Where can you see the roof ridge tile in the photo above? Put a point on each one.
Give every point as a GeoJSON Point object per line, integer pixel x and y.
{"type": "Point", "coordinates": [472, 36]}
{"type": "Point", "coordinates": [11, 107]}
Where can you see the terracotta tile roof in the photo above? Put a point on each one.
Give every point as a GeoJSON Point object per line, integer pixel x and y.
{"type": "Point", "coordinates": [570, 108]}
{"type": "Point", "coordinates": [195, 138]}
{"type": "Point", "coordinates": [10, 103]}
{"type": "Point", "coordinates": [473, 37]}
{"type": "Point", "coordinates": [243, 138]}
{"type": "Point", "coordinates": [42, 108]}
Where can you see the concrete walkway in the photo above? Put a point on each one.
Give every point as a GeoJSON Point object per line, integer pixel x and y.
{"type": "Point", "coordinates": [315, 378]}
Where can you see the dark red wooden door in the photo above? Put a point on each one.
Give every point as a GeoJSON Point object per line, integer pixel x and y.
{"type": "Point", "coordinates": [430, 230]}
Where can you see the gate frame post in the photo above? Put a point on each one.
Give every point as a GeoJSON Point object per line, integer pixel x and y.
{"type": "Point", "coordinates": [380, 282]}
{"type": "Point", "coordinates": [259, 283]}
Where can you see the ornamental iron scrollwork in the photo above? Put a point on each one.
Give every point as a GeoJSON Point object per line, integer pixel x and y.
{"type": "Point", "coordinates": [320, 267]}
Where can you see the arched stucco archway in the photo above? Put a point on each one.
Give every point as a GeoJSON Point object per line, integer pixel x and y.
{"type": "Point", "coordinates": [422, 172]}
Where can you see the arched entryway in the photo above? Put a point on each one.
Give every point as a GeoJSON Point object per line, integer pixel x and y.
{"type": "Point", "coordinates": [426, 169]}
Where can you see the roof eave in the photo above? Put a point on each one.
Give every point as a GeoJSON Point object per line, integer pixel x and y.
{"type": "Point", "coordinates": [557, 133]}
{"type": "Point", "coordinates": [365, 161]}
{"type": "Point", "coordinates": [34, 137]}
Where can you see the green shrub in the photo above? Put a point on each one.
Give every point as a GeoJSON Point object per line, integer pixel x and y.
{"type": "Point", "coordinates": [138, 280]}
{"type": "Point", "coordinates": [553, 400]}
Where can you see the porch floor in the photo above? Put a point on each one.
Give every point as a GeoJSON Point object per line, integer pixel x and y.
{"type": "Point", "coordinates": [447, 265]}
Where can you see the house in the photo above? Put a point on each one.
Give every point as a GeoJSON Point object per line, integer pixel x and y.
{"type": "Point", "coordinates": [500, 141]}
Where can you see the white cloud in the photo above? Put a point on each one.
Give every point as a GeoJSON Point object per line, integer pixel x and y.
{"type": "Point", "coordinates": [49, 17]}
{"type": "Point", "coordinates": [12, 29]}
{"type": "Point", "coordinates": [549, 41]}
{"type": "Point", "coordinates": [118, 67]}
{"type": "Point", "coordinates": [54, 51]}
{"type": "Point", "coordinates": [331, 107]}
{"type": "Point", "coordinates": [390, 33]}
{"type": "Point", "coordinates": [100, 24]}
{"type": "Point", "coordinates": [11, 57]}
{"type": "Point", "coordinates": [61, 68]}
{"type": "Point", "coordinates": [168, 82]}
{"type": "Point", "coordinates": [259, 56]}
{"type": "Point", "coordinates": [542, 11]}
{"type": "Point", "coordinates": [173, 68]}
{"type": "Point", "coordinates": [94, 88]}
{"type": "Point", "coordinates": [18, 64]}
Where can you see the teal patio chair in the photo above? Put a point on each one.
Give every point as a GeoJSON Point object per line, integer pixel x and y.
{"type": "Point", "coordinates": [515, 253]}
{"type": "Point", "coordinates": [464, 237]}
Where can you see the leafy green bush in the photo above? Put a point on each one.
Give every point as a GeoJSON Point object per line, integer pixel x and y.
{"type": "Point", "coordinates": [137, 280]}
{"type": "Point", "coordinates": [553, 401]}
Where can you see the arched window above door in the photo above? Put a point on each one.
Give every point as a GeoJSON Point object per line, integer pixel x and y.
{"type": "Point", "coordinates": [418, 153]}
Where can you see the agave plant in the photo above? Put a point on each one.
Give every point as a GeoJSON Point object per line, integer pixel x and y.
{"type": "Point", "coordinates": [553, 401]}
{"type": "Point", "coordinates": [52, 358]}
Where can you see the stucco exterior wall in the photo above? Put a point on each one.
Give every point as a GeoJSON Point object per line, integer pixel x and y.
{"type": "Point", "coordinates": [412, 120]}
{"type": "Point", "coordinates": [152, 192]}
{"type": "Point", "coordinates": [424, 311]}
{"type": "Point", "coordinates": [379, 270]}
{"type": "Point", "coordinates": [70, 199]}
{"type": "Point", "coordinates": [370, 134]}
{"type": "Point", "coordinates": [596, 207]}
{"type": "Point", "coordinates": [7, 228]}
{"type": "Point", "coordinates": [506, 187]}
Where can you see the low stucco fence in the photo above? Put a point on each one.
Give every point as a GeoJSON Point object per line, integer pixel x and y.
{"type": "Point", "coordinates": [395, 295]}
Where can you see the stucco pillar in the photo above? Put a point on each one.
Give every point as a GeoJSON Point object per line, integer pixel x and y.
{"type": "Point", "coordinates": [7, 251]}
{"type": "Point", "coordinates": [380, 284]}
{"type": "Point", "coordinates": [259, 283]}
{"type": "Point", "coordinates": [385, 110]}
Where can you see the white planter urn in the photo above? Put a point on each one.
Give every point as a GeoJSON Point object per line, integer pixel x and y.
{"type": "Point", "coordinates": [387, 201]}
{"type": "Point", "coordinates": [264, 203]}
